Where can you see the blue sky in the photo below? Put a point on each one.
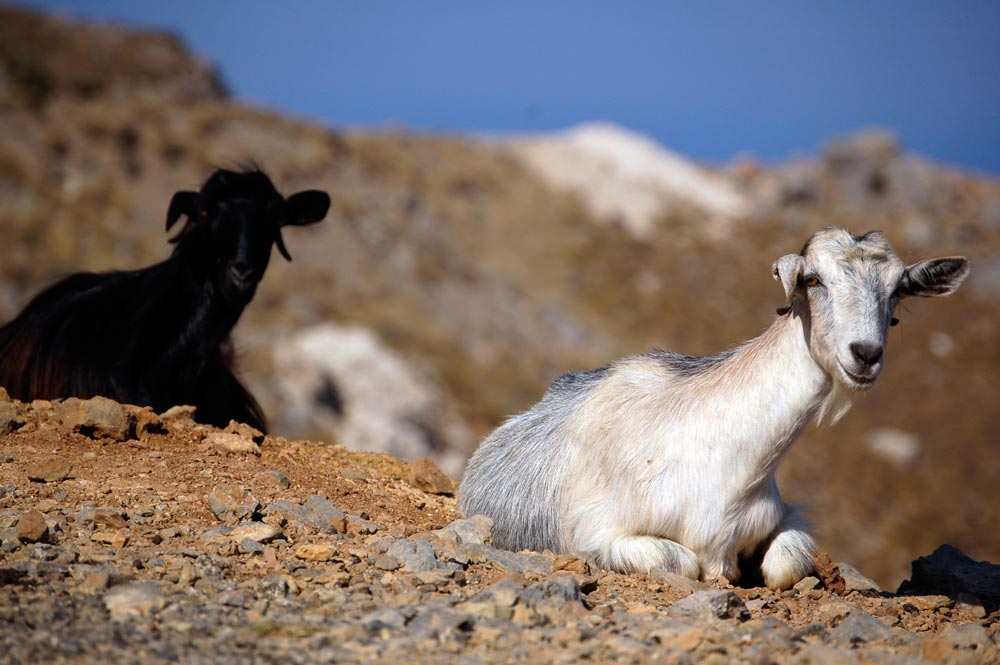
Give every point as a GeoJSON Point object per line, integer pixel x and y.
{"type": "Point", "coordinates": [709, 79]}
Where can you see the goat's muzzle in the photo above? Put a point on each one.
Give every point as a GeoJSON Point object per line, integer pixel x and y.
{"type": "Point", "coordinates": [241, 275]}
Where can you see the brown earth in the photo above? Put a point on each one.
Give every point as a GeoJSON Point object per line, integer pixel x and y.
{"type": "Point", "coordinates": [492, 284]}
{"type": "Point", "coordinates": [136, 562]}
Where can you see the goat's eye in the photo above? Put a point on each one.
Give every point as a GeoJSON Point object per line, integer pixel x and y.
{"type": "Point", "coordinates": [811, 281]}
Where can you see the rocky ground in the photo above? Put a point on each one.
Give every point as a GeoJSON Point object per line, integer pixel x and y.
{"type": "Point", "coordinates": [131, 536]}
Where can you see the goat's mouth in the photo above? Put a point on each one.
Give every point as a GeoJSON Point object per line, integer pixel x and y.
{"type": "Point", "coordinates": [859, 381]}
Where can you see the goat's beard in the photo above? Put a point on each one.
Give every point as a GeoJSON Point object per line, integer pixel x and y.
{"type": "Point", "coordinates": [236, 296]}
{"type": "Point", "coordinates": [836, 404]}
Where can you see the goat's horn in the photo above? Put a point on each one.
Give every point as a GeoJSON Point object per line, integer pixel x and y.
{"type": "Point", "coordinates": [280, 242]}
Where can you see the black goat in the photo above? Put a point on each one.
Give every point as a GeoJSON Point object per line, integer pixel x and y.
{"type": "Point", "coordinates": [159, 336]}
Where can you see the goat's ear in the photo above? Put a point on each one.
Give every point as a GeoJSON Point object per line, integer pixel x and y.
{"type": "Point", "coordinates": [307, 207]}
{"type": "Point", "coordinates": [183, 203]}
{"type": "Point", "coordinates": [787, 270]}
{"type": "Point", "coordinates": [934, 277]}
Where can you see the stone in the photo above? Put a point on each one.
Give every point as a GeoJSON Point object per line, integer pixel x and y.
{"type": "Point", "coordinates": [110, 518]}
{"type": "Point", "coordinates": [767, 632]}
{"type": "Point", "coordinates": [259, 532]}
{"type": "Point", "coordinates": [505, 593]}
{"type": "Point", "coordinates": [338, 524]}
{"type": "Point", "coordinates": [102, 536]}
{"type": "Point", "coordinates": [316, 552]}
{"type": "Point", "coordinates": [969, 636]}
{"type": "Point", "coordinates": [273, 478]}
{"type": "Point", "coordinates": [829, 573]}
{"type": "Point", "coordinates": [50, 471]}
{"type": "Point", "coordinates": [833, 609]}
{"type": "Point", "coordinates": [475, 530]}
{"type": "Point", "coordinates": [245, 431]}
{"type": "Point", "coordinates": [188, 574]}
{"type": "Point", "coordinates": [929, 603]}
{"type": "Point", "coordinates": [386, 562]}
{"type": "Point", "coordinates": [678, 582]}
{"type": "Point", "coordinates": [317, 511]}
{"type": "Point", "coordinates": [806, 584]}
{"type": "Point", "coordinates": [679, 635]}
{"type": "Point", "coordinates": [415, 556]}
{"type": "Point", "coordinates": [436, 577]}
{"type": "Point", "coordinates": [147, 422]}
{"type": "Point", "coordinates": [426, 476]}
{"type": "Point", "coordinates": [233, 443]}
{"type": "Point", "coordinates": [10, 418]}
{"type": "Point", "coordinates": [230, 503]}
{"type": "Point", "coordinates": [710, 605]}
{"type": "Point", "coordinates": [854, 580]}
{"type": "Point", "coordinates": [858, 627]}
{"type": "Point", "coordinates": [520, 562]}
{"type": "Point", "coordinates": [438, 623]}
{"type": "Point", "coordinates": [133, 600]}
{"type": "Point", "coordinates": [948, 571]}
{"type": "Point", "coordinates": [556, 591]}
{"type": "Point", "coordinates": [588, 584]}
{"type": "Point", "coordinates": [181, 416]}
{"type": "Point", "coordinates": [384, 621]}
{"type": "Point", "coordinates": [571, 564]}
{"type": "Point", "coordinates": [99, 579]}
{"type": "Point", "coordinates": [354, 526]}
{"type": "Point", "coordinates": [251, 546]}
{"type": "Point", "coordinates": [97, 418]}
{"type": "Point", "coordinates": [32, 528]}
{"type": "Point", "coordinates": [966, 602]}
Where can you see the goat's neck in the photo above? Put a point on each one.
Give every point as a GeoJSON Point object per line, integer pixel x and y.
{"type": "Point", "coordinates": [772, 389]}
{"type": "Point", "coordinates": [204, 316]}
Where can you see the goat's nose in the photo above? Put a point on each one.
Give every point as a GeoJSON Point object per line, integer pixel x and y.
{"type": "Point", "coordinates": [240, 270]}
{"type": "Point", "coordinates": [867, 353]}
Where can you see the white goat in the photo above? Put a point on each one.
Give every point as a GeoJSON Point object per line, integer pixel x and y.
{"type": "Point", "coordinates": [668, 461]}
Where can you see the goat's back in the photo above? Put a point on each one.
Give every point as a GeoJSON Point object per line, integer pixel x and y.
{"type": "Point", "coordinates": [55, 347]}
{"type": "Point", "coordinates": [517, 474]}
{"type": "Point", "coordinates": [115, 334]}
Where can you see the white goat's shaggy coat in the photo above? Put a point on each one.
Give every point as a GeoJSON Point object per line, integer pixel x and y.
{"type": "Point", "coordinates": [668, 461]}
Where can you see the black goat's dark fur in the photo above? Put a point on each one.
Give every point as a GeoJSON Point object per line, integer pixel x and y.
{"type": "Point", "coordinates": [159, 336]}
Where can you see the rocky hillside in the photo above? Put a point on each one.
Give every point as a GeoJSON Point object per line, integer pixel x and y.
{"type": "Point", "coordinates": [452, 281]}
{"type": "Point", "coordinates": [131, 536]}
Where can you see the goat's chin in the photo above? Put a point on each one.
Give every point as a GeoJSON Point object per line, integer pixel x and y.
{"type": "Point", "coordinates": [856, 382]}
{"type": "Point", "coordinates": [238, 295]}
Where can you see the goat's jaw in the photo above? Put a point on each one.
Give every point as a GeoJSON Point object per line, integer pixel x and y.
{"type": "Point", "coordinates": [855, 381]}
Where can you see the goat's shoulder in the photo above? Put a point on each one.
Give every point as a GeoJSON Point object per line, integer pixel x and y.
{"type": "Point", "coordinates": [683, 366]}
{"type": "Point", "coordinates": [574, 382]}
{"type": "Point", "coordinates": [69, 289]}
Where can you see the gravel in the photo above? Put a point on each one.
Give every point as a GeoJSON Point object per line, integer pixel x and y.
{"type": "Point", "coordinates": [183, 550]}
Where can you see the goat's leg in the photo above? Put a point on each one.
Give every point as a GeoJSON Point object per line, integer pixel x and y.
{"type": "Point", "coordinates": [631, 554]}
{"type": "Point", "coordinates": [789, 554]}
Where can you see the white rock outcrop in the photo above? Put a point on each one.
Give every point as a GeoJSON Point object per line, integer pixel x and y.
{"type": "Point", "coordinates": [628, 177]}
{"type": "Point", "coordinates": [345, 381]}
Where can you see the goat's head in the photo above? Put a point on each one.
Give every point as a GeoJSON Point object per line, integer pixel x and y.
{"type": "Point", "coordinates": [846, 288]}
{"type": "Point", "coordinates": [232, 224]}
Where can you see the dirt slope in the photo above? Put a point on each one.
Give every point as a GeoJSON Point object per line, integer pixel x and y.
{"type": "Point", "coordinates": [129, 537]}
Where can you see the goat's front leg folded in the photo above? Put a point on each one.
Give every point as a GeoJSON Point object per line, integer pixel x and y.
{"type": "Point", "coordinates": [641, 554]}
{"type": "Point", "coordinates": [788, 555]}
